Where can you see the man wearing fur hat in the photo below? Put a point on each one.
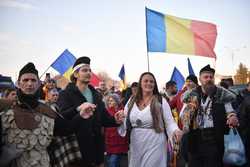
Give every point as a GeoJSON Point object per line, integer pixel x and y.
{"type": "Point", "coordinates": [88, 134]}
{"type": "Point", "coordinates": [210, 115]}
{"type": "Point", "coordinates": [28, 125]}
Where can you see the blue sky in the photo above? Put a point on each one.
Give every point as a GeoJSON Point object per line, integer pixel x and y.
{"type": "Point", "coordinates": [112, 32]}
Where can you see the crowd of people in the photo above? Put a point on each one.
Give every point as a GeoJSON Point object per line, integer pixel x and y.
{"type": "Point", "coordinates": [43, 125]}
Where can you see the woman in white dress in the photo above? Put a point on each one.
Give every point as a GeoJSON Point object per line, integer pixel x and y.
{"type": "Point", "coordinates": [148, 119]}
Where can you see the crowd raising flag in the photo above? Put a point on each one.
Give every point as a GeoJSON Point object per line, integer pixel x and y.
{"type": "Point", "coordinates": [190, 68]}
{"type": "Point", "coordinates": [123, 78]}
{"type": "Point", "coordinates": [172, 34]}
{"type": "Point", "coordinates": [63, 64]}
{"type": "Point", "coordinates": [178, 78]}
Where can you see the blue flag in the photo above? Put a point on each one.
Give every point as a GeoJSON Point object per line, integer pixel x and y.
{"type": "Point", "coordinates": [64, 62]}
{"type": "Point", "coordinates": [122, 73]}
{"type": "Point", "coordinates": [178, 78]}
{"type": "Point", "coordinates": [190, 68]}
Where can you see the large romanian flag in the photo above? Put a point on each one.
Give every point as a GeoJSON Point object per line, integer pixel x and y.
{"type": "Point", "coordinates": [172, 34]}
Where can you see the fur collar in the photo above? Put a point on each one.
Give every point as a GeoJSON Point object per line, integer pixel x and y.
{"type": "Point", "coordinates": [221, 95]}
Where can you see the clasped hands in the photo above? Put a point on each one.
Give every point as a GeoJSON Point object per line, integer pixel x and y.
{"type": "Point", "coordinates": [177, 135]}
{"type": "Point", "coordinates": [120, 116]}
{"type": "Point", "coordinates": [87, 109]}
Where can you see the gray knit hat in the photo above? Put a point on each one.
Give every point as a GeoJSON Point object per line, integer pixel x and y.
{"type": "Point", "coordinates": [115, 96]}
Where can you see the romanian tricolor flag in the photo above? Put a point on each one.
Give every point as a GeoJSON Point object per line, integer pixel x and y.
{"type": "Point", "coordinates": [63, 64]}
{"type": "Point", "coordinates": [172, 34]}
{"type": "Point", "coordinates": [94, 80]}
{"type": "Point", "coordinates": [123, 78]}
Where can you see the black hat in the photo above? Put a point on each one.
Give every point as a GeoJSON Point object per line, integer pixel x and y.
{"type": "Point", "coordinates": [134, 84]}
{"type": "Point", "coordinates": [28, 68]}
{"type": "Point", "coordinates": [82, 60]}
{"type": "Point", "coordinates": [192, 78]}
{"type": "Point", "coordinates": [207, 68]}
{"type": "Point", "coordinates": [170, 83]}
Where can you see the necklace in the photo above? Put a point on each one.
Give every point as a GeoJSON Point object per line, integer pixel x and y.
{"type": "Point", "coordinates": [144, 102]}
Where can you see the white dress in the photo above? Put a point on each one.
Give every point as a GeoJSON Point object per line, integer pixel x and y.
{"type": "Point", "coordinates": [148, 148]}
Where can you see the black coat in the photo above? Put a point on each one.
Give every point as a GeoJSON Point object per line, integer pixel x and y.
{"type": "Point", "coordinates": [89, 136]}
{"type": "Point", "coordinates": [219, 120]}
{"type": "Point", "coordinates": [245, 125]}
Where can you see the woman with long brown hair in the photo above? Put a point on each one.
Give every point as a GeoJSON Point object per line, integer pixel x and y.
{"type": "Point", "coordinates": [148, 122]}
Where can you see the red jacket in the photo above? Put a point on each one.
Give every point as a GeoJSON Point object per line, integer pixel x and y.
{"type": "Point", "coordinates": [177, 103]}
{"type": "Point", "coordinates": [114, 143]}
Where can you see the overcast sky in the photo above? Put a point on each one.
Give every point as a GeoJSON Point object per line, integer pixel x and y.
{"type": "Point", "coordinates": [112, 33]}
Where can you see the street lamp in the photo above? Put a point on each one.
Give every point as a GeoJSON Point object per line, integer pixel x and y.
{"type": "Point", "coordinates": [233, 52]}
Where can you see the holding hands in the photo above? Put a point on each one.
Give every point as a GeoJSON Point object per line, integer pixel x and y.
{"type": "Point", "coordinates": [86, 110]}
{"type": "Point", "coordinates": [177, 135]}
{"type": "Point", "coordinates": [120, 116]}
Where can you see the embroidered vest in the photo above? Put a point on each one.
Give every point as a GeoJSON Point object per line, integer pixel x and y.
{"type": "Point", "coordinates": [30, 132]}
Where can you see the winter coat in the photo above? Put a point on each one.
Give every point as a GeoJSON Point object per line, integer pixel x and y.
{"type": "Point", "coordinates": [176, 102]}
{"type": "Point", "coordinates": [219, 98]}
{"type": "Point", "coordinates": [114, 143]}
{"type": "Point", "coordinates": [245, 124]}
{"type": "Point", "coordinates": [25, 121]}
{"type": "Point", "coordinates": [88, 133]}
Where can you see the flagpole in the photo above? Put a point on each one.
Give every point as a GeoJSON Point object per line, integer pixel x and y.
{"type": "Point", "coordinates": [148, 62]}
{"type": "Point", "coordinates": [44, 72]}
{"type": "Point", "coordinates": [48, 67]}
{"type": "Point", "coordinates": [147, 39]}
{"type": "Point", "coordinates": [51, 64]}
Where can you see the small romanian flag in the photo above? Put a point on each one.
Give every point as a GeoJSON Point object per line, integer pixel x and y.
{"type": "Point", "coordinates": [123, 78]}
{"type": "Point", "coordinates": [172, 34]}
